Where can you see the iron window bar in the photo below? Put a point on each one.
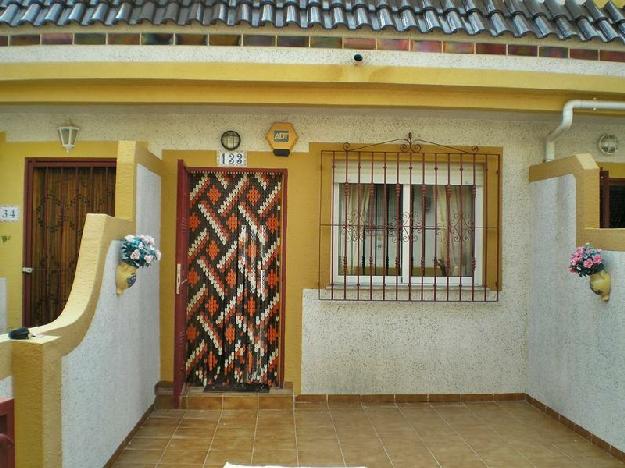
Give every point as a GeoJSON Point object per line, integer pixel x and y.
{"type": "Point", "coordinates": [409, 224]}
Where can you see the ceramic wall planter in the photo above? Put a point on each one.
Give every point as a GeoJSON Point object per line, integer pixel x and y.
{"type": "Point", "coordinates": [601, 283]}
{"type": "Point", "coordinates": [125, 277]}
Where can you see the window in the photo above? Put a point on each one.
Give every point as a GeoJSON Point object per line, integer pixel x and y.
{"type": "Point", "coordinates": [404, 226]}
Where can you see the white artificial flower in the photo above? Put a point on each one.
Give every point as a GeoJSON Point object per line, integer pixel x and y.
{"type": "Point", "coordinates": [129, 237]}
{"type": "Point", "coordinates": [158, 254]}
{"type": "Point", "coordinates": [135, 255]}
{"type": "Point", "coordinates": [148, 259]}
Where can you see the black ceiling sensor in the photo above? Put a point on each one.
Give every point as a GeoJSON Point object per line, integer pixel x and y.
{"type": "Point", "coordinates": [19, 333]}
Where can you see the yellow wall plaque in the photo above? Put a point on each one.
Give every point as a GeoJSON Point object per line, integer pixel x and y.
{"type": "Point", "coordinates": [282, 138]}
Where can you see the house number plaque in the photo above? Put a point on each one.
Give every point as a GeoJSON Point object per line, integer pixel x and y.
{"type": "Point", "coordinates": [232, 159]}
{"type": "Point", "coordinates": [9, 213]}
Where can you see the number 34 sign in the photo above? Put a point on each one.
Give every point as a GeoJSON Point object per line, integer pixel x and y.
{"type": "Point", "coordinates": [232, 159]}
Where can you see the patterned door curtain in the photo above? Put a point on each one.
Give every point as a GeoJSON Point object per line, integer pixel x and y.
{"type": "Point", "coordinates": [233, 309]}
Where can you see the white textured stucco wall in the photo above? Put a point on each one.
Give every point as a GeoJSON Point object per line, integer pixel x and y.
{"type": "Point", "coordinates": [413, 348]}
{"type": "Point", "coordinates": [200, 127]}
{"type": "Point", "coordinates": [576, 342]}
{"type": "Point", "coordinates": [312, 56]}
{"type": "Point", "coordinates": [6, 387]}
{"type": "Point", "coordinates": [108, 380]}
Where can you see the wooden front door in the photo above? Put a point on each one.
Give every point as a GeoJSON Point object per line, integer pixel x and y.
{"type": "Point", "coordinates": [234, 279]}
{"type": "Point", "coordinates": [59, 194]}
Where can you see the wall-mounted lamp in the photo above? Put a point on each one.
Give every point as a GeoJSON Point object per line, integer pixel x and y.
{"type": "Point", "coordinates": [230, 140]}
{"type": "Point", "coordinates": [67, 135]}
{"type": "Point", "coordinates": [607, 144]}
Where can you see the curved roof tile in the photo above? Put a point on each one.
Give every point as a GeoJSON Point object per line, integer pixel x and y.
{"type": "Point", "coordinates": [571, 19]}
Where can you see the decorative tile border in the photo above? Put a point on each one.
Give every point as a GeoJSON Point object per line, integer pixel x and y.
{"type": "Point", "coordinates": [371, 399]}
{"type": "Point", "coordinates": [317, 41]}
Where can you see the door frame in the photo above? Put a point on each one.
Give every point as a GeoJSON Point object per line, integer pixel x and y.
{"type": "Point", "coordinates": [180, 354]}
{"type": "Point", "coordinates": [27, 248]}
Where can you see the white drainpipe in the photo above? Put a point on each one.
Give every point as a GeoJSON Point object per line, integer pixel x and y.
{"type": "Point", "coordinates": [567, 120]}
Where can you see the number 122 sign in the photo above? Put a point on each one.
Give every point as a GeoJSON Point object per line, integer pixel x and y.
{"type": "Point", "coordinates": [232, 159]}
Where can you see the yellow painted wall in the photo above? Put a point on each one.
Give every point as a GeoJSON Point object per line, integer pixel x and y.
{"type": "Point", "coordinates": [303, 180]}
{"type": "Point", "coordinates": [617, 170]}
{"type": "Point", "coordinates": [12, 162]}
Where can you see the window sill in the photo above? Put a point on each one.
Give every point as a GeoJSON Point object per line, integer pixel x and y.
{"type": "Point", "coordinates": [403, 293]}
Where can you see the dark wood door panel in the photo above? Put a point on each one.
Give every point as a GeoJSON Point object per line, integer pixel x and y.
{"type": "Point", "coordinates": [59, 196]}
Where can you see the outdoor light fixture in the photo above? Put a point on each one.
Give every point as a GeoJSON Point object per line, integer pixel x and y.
{"type": "Point", "coordinates": [67, 135]}
{"type": "Point", "coordinates": [608, 144]}
{"type": "Point", "coordinates": [230, 140]}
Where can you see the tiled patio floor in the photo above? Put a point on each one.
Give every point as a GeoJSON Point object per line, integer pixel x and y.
{"type": "Point", "coordinates": [497, 434]}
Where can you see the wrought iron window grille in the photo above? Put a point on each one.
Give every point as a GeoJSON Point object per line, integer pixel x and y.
{"type": "Point", "coordinates": [409, 220]}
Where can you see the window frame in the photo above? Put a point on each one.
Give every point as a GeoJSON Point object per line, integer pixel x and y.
{"type": "Point", "coordinates": [405, 277]}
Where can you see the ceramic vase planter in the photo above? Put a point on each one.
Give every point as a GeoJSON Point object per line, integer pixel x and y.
{"type": "Point", "coordinates": [137, 251]}
{"type": "Point", "coordinates": [125, 277]}
{"type": "Point", "coordinates": [601, 283]}
{"type": "Point", "coordinates": [588, 261]}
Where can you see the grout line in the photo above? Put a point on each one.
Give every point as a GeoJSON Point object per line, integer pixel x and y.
{"type": "Point", "coordinates": [295, 433]}
{"type": "Point", "coordinates": [255, 430]}
{"type": "Point", "coordinates": [337, 436]}
{"type": "Point", "coordinates": [419, 435]}
{"type": "Point", "coordinates": [169, 441]}
{"type": "Point", "coordinates": [458, 434]}
{"type": "Point", "coordinates": [377, 434]}
{"type": "Point", "coordinates": [210, 445]}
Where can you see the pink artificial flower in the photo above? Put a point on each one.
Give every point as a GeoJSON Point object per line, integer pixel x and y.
{"type": "Point", "coordinates": [135, 255]}
{"type": "Point", "coordinates": [596, 259]}
{"type": "Point", "coordinates": [588, 263]}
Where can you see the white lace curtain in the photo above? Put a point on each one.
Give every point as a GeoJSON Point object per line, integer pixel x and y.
{"type": "Point", "coordinates": [368, 223]}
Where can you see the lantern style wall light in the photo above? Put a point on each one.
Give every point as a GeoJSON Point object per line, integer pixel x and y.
{"type": "Point", "coordinates": [230, 140]}
{"type": "Point", "coordinates": [67, 135]}
{"type": "Point", "coordinates": [608, 144]}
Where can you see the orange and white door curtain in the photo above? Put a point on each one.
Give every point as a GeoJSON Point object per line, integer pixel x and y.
{"type": "Point", "coordinates": [233, 309]}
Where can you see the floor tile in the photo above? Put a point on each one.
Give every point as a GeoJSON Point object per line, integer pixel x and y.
{"type": "Point", "coordinates": [184, 457]}
{"type": "Point", "coordinates": [188, 444]}
{"type": "Point", "coordinates": [205, 433]}
{"type": "Point", "coordinates": [139, 443]}
{"type": "Point", "coordinates": [133, 465]}
{"type": "Point", "coordinates": [493, 434]}
{"type": "Point", "coordinates": [139, 456]}
{"type": "Point", "coordinates": [320, 445]}
{"type": "Point", "coordinates": [275, 457]}
{"type": "Point", "coordinates": [244, 444]}
{"type": "Point", "coordinates": [217, 457]}
{"type": "Point", "coordinates": [320, 458]}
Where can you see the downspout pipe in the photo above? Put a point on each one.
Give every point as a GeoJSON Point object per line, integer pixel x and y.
{"type": "Point", "coordinates": [567, 120]}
